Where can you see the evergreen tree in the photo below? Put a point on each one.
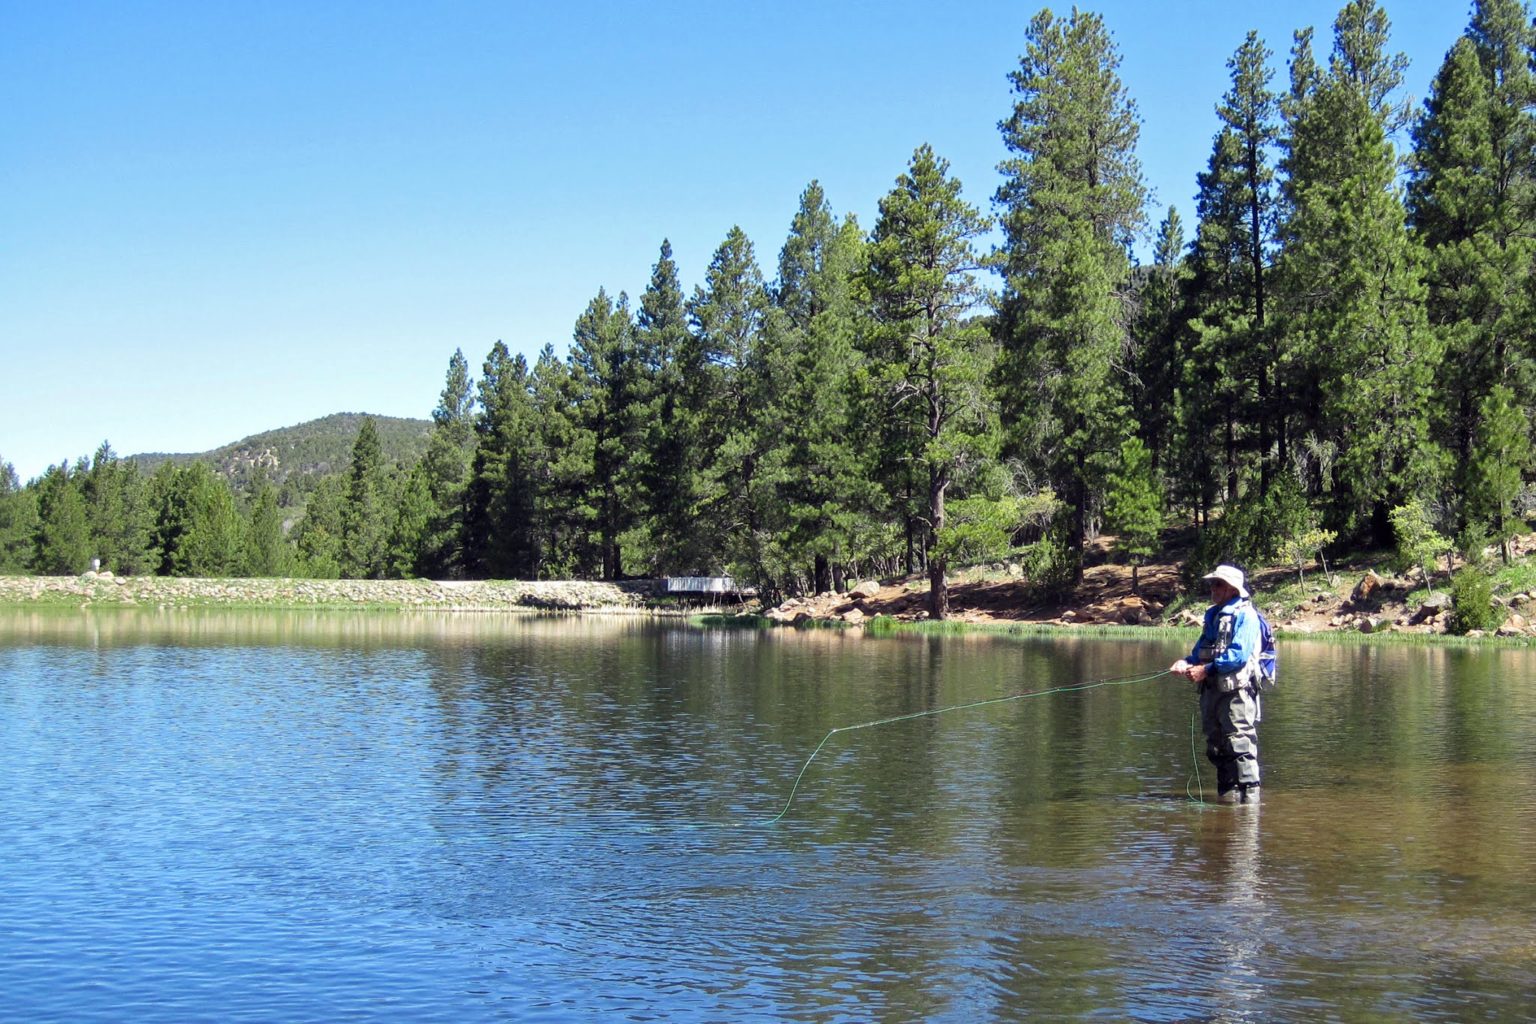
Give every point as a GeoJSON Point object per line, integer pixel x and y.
{"type": "Point", "coordinates": [725, 382]}
{"type": "Point", "coordinates": [1228, 397]}
{"type": "Point", "coordinates": [365, 512]}
{"type": "Point", "coordinates": [669, 482]}
{"type": "Point", "coordinates": [935, 355]}
{"type": "Point", "coordinates": [1354, 325]}
{"type": "Point", "coordinates": [608, 394]}
{"type": "Point", "coordinates": [266, 549]}
{"type": "Point", "coordinates": [18, 521]}
{"type": "Point", "coordinates": [406, 546]}
{"type": "Point", "coordinates": [562, 461]}
{"type": "Point", "coordinates": [318, 535]}
{"type": "Point", "coordinates": [1501, 455]}
{"type": "Point", "coordinates": [1153, 387]}
{"type": "Point", "coordinates": [1072, 202]}
{"type": "Point", "coordinates": [1472, 201]}
{"type": "Point", "coordinates": [198, 530]}
{"type": "Point", "coordinates": [63, 541]}
{"type": "Point", "coordinates": [811, 460]}
{"type": "Point", "coordinates": [118, 513]}
{"type": "Point", "coordinates": [499, 528]}
{"type": "Point", "coordinates": [445, 467]}
{"type": "Point", "coordinates": [1134, 506]}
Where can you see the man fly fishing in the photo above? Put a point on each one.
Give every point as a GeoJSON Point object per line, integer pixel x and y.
{"type": "Point", "coordinates": [1225, 663]}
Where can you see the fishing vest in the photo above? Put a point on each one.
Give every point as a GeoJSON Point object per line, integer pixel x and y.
{"type": "Point", "coordinates": [1210, 648]}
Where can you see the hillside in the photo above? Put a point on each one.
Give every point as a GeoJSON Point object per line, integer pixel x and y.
{"type": "Point", "coordinates": [310, 449]}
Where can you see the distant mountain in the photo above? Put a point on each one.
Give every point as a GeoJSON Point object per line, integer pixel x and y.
{"type": "Point", "coordinates": [311, 450]}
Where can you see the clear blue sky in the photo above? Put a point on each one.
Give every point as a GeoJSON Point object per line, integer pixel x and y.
{"type": "Point", "coordinates": [221, 218]}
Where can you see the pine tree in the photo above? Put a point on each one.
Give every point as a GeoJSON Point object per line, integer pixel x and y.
{"type": "Point", "coordinates": [1228, 397]}
{"type": "Point", "coordinates": [499, 528]}
{"type": "Point", "coordinates": [267, 552]}
{"type": "Point", "coordinates": [562, 467]}
{"type": "Point", "coordinates": [1153, 387]}
{"type": "Point", "coordinates": [934, 354]}
{"type": "Point", "coordinates": [1472, 202]}
{"type": "Point", "coordinates": [669, 474]}
{"type": "Point", "coordinates": [117, 512]}
{"type": "Point", "coordinates": [1134, 506]}
{"type": "Point", "coordinates": [18, 521]}
{"type": "Point", "coordinates": [198, 530]}
{"type": "Point", "coordinates": [1355, 338]}
{"type": "Point", "coordinates": [809, 455]}
{"type": "Point", "coordinates": [318, 535]}
{"type": "Point", "coordinates": [406, 545]}
{"type": "Point", "coordinates": [1501, 455]}
{"type": "Point", "coordinates": [608, 396]}
{"type": "Point", "coordinates": [365, 511]}
{"type": "Point", "coordinates": [1072, 201]}
{"type": "Point", "coordinates": [445, 467]}
{"type": "Point", "coordinates": [725, 380]}
{"type": "Point", "coordinates": [62, 542]}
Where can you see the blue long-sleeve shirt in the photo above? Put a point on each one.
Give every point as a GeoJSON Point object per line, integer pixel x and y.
{"type": "Point", "coordinates": [1229, 637]}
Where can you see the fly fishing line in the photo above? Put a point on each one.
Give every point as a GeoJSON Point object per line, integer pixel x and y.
{"type": "Point", "coordinates": [1073, 688]}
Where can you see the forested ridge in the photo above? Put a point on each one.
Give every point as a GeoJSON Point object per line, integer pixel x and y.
{"type": "Point", "coordinates": [1334, 349]}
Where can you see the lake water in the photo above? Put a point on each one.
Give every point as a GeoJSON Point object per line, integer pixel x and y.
{"type": "Point", "coordinates": [238, 817]}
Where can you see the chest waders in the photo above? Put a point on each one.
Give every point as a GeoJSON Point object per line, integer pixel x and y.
{"type": "Point", "coordinates": [1229, 716]}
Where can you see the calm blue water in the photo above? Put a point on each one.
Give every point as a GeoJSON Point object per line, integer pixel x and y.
{"type": "Point", "coordinates": [355, 817]}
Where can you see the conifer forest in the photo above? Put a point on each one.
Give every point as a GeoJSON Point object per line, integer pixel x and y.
{"type": "Point", "coordinates": [1335, 345]}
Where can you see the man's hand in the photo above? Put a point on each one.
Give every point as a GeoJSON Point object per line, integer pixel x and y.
{"type": "Point", "coordinates": [1195, 672]}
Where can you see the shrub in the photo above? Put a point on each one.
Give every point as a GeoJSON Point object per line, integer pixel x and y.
{"type": "Point", "coordinates": [1472, 604]}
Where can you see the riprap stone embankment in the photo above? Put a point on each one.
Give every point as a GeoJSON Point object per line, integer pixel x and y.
{"type": "Point", "coordinates": [455, 595]}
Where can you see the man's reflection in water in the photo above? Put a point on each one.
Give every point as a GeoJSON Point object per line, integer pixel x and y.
{"type": "Point", "coordinates": [1228, 840]}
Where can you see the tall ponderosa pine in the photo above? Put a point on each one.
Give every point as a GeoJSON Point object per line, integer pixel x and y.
{"type": "Point", "coordinates": [726, 386]}
{"type": "Point", "coordinates": [1228, 398]}
{"type": "Point", "coordinates": [1354, 333]}
{"type": "Point", "coordinates": [1472, 201]}
{"type": "Point", "coordinates": [608, 397]}
{"type": "Point", "coordinates": [1072, 202]}
{"type": "Point", "coordinates": [669, 480]}
{"type": "Point", "coordinates": [811, 458]}
{"type": "Point", "coordinates": [1153, 386]}
{"type": "Point", "coordinates": [933, 353]}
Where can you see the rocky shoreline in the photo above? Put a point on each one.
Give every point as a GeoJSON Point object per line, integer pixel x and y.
{"type": "Point", "coordinates": [106, 590]}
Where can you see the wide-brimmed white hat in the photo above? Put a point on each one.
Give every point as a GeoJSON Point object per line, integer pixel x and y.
{"type": "Point", "coordinates": [1231, 575]}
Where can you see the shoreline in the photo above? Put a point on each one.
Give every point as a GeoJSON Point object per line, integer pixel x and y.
{"type": "Point", "coordinates": [577, 597]}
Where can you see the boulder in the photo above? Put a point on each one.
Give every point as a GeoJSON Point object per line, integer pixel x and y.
{"type": "Point", "coordinates": [1370, 624]}
{"type": "Point", "coordinates": [869, 588]}
{"type": "Point", "coordinates": [1369, 584]}
{"type": "Point", "coordinates": [853, 616]}
{"type": "Point", "coordinates": [1435, 604]}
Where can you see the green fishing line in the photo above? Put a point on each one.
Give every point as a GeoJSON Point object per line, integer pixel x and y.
{"type": "Point", "coordinates": [1074, 688]}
